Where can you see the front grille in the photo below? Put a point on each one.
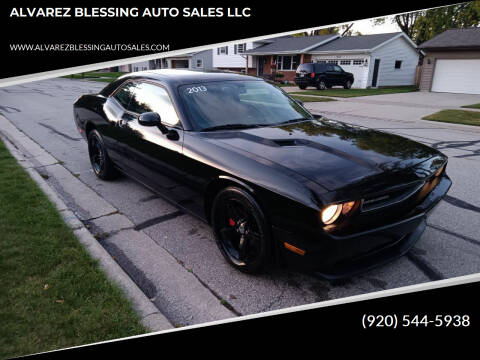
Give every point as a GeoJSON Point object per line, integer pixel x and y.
{"type": "Point", "coordinates": [392, 197]}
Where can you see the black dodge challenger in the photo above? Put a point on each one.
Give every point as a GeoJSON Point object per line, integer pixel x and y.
{"type": "Point", "coordinates": [275, 182]}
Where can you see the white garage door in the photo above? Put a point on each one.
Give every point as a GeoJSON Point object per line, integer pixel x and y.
{"type": "Point", "coordinates": [457, 76]}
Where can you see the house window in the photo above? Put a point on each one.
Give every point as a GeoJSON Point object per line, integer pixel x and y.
{"type": "Point", "coordinates": [199, 63]}
{"type": "Point", "coordinates": [289, 62]}
{"type": "Point", "coordinates": [240, 48]}
{"type": "Point", "coordinates": [333, 62]}
{"type": "Point", "coordinates": [398, 64]}
{"type": "Point", "coordinates": [345, 62]}
{"type": "Point", "coordinates": [222, 50]}
{"type": "Point", "coordinates": [357, 62]}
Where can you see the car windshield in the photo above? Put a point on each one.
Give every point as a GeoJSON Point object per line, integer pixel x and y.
{"type": "Point", "coordinates": [239, 104]}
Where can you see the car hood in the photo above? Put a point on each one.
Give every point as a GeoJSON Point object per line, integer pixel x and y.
{"type": "Point", "coordinates": [330, 153]}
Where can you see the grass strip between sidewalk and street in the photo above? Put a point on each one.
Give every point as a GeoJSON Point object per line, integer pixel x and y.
{"type": "Point", "coordinates": [312, 98]}
{"type": "Point", "coordinates": [346, 93]}
{"type": "Point", "coordinates": [54, 294]}
{"type": "Point", "coordinates": [456, 117]}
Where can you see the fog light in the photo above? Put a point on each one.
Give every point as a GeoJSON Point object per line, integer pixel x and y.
{"type": "Point", "coordinates": [331, 213]}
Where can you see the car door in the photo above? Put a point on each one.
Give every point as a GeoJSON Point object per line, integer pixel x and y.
{"type": "Point", "coordinates": [154, 156]}
{"type": "Point", "coordinates": [339, 75]}
{"type": "Point", "coordinates": [331, 75]}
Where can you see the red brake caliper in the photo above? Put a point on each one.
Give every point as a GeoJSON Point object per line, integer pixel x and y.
{"type": "Point", "coordinates": [231, 222]}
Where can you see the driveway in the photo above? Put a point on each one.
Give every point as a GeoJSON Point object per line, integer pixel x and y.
{"type": "Point", "coordinates": [449, 247]}
{"type": "Point", "coordinates": [402, 106]}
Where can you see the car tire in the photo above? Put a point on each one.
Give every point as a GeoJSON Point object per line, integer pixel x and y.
{"type": "Point", "coordinates": [302, 87]}
{"type": "Point", "coordinates": [101, 164]}
{"type": "Point", "coordinates": [321, 85]}
{"type": "Point", "coordinates": [241, 230]}
{"type": "Point", "coordinates": [347, 85]}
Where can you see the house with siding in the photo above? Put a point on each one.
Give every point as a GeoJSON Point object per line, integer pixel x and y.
{"type": "Point", "coordinates": [375, 60]}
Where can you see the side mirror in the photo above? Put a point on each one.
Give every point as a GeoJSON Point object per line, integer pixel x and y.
{"type": "Point", "coordinates": [152, 119]}
{"type": "Point", "coordinates": [149, 119]}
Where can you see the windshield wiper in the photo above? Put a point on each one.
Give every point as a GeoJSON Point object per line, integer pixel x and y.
{"type": "Point", "coordinates": [231, 127]}
{"type": "Point", "coordinates": [291, 121]}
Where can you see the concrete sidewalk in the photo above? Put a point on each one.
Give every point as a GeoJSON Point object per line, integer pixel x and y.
{"type": "Point", "coordinates": [97, 224]}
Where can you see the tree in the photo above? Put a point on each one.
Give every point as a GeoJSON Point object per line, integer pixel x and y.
{"type": "Point", "coordinates": [421, 26]}
{"type": "Point", "coordinates": [343, 30]}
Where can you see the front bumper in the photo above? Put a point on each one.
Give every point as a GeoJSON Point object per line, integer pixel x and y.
{"type": "Point", "coordinates": [335, 257]}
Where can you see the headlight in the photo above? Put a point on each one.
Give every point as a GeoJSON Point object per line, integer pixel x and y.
{"type": "Point", "coordinates": [331, 213]}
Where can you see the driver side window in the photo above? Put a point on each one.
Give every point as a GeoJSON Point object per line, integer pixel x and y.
{"type": "Point", "coordinates": [148, 97]}
{"type": "Point", "coordinates": [141, 97]}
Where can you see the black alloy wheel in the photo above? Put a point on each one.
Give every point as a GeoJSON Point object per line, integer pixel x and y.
{"type": "Point", "coordinates": [101, 164]}
{"type": "Point", "coordinates": [321, 85]}
{"type": "Point", "coordinates": [348, 84]}
{"type": "Point", "coordinates": [241, 230]}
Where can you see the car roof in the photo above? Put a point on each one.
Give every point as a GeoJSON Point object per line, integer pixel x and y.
{"type": "Point", "coordinates": [177, 77]}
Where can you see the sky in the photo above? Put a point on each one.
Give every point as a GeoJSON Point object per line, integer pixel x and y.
{"type": "Point", "coordinates": [366, 27]}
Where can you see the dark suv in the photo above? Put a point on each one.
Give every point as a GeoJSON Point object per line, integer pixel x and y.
{"type": "Point", "coordinates": [322, 76]}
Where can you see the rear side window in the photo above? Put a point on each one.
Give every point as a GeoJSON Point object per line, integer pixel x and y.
{"type": "Point", "coordinates": [305, 68]}
{"type": "Point", "coordinates": [124, 94]}
{"type": "Point", "coordinates": [320, 67]}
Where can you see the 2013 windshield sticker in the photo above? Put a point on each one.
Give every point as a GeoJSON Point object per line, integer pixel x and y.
{"type": "Point", "coordinates": [196, 89]}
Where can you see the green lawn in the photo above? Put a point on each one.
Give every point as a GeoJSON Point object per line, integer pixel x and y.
{"type": "Point", "coordinates": [53, 294]}
{"type": "Point", "coordinates": [96, 76]}
{"type": "Point", "coordinates": [456, 116]}
{"type": "Point", "coordinates": [312, 98]}
{"type": "Point", "coordinates": [357, 92]}
{"type": "Point", "coordinates": [473, 106]}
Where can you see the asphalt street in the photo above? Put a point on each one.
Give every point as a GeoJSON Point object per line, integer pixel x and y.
{"type": "Point", "coordinates": [449, 247]}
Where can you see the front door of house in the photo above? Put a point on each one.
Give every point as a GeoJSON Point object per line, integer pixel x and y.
{"type": "Point", "coordinates": [261, 60]}
{"type": "Point", "coordinates": [375, 72]}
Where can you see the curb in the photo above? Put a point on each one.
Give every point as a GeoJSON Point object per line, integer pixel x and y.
{"type": "Point", "coordinates": [15, 140]}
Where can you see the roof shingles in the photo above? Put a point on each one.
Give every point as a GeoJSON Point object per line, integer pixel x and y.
{"type": "Point", "coordinates": [290, 43]}
{"type": "Point", "coordinates": [324, 42]}
{"type": "Point", "coordinates": [454, 38]}
{"type": "Point", "coordinates": [360, 42]}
